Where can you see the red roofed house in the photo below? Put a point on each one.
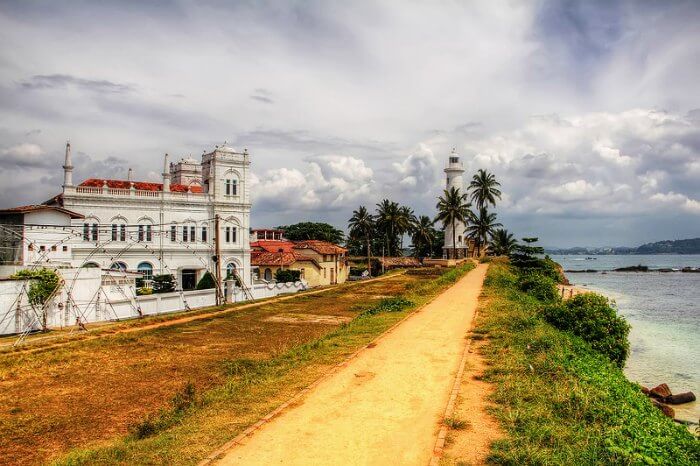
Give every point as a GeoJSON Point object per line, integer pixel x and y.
{"type": "Point", "coordinates": [320, 262]}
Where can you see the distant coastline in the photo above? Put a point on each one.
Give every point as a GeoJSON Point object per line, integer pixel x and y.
{"type": "Point", "coordinates": [680, 246]}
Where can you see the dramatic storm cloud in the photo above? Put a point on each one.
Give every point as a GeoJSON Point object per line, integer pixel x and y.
{"type": "Point", "coordinates": [588, 112]}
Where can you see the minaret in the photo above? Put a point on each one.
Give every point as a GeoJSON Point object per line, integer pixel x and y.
{"type": "Point", "coordinates": [166, 174]}
{"type": "Point", "coordinates": [67, 168]}
{"type": "Point", "coordinates": [454, 172]}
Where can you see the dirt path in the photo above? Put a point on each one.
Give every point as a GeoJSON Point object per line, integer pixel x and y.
{"type": "Point", "coordinates": [385, 406]}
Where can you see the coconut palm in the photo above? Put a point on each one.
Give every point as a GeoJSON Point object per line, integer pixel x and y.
{"type": "Point", "coordinates": [388, 220]}
{"type": "Point", "coordinates": [503, 242]}
{"type": "Point", "coordinates": [481, 228]}
{"type": "Point", "coordinates": [484, 189]}
{"type": "Point", "coordinates": [361, 226]}
{"type": "Point", "coordinates": [422, 234]}
{"type": "Point", "coordinates": [453, 207]}
{"type": "Point", "coordinates": [405, 222]}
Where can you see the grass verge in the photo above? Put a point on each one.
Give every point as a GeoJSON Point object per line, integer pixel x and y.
{"type": "Point", "coordinates": [197, 423]}
{"type": "Point", "coordinates": [561, 402]}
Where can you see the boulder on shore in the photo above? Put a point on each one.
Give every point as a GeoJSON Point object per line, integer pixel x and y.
{"type": "Point", "coordinates": [667, 410]}
{"type": "Point", "coordinates": [633, 268]}
{"type": "Point", "coordinates": [681, 398]}
{"type": "Point", "coordinates": [660, 391]}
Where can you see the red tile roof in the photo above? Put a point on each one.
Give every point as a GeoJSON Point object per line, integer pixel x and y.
{"type": "Point", "coordinates": [139, 185]}
{"type": "Point", "coordinates": [273, 245]}
{"type": "Point", "coordinates": [321, 247]}
{"type": "Point", "coordinates": [263, 258]}
{"type": "Point", "coordinates": [25, 209]}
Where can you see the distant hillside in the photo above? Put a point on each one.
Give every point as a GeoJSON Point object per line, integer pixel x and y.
{"type": "Point", "coordinates": [679, 246]}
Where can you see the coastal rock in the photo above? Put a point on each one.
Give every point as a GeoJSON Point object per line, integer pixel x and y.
{"type": "Point", "coordinates": [667, 410]}
{"type": "Point", "coordinates": [660, 391]}
{"type": "Point", "coordinates": [646, 391]}
{"type": "Point", "coordinates": [690, 270]}
{"type": "Point", "coordinates": [680, 398]}
{"type": "Point", "coordinates": [633, 268]}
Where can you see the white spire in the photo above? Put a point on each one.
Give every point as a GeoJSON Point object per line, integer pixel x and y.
{"type": "Point", "coordinates": [166, 174]}
{"type": "Point", "coordinates": [130, 175]}
{"type": "Point", "coordinates": [67, 168]}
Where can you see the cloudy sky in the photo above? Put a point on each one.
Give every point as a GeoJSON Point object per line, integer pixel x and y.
{"type": "Point", "coordinates": [587, 112]}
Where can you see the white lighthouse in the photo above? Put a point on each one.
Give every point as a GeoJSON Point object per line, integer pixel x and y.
{"type": "Point", "coordinates": [454, 172]}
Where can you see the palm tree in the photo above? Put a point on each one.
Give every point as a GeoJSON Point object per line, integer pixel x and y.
{"type": "Point", "coordinates": [361, 226]}
{"type": "Point", "coordinates": [453, 207]}
{"type": "Point", "coordinates": [405, 222]}
{"type": "Point", "coordinates": [482, 226]}
{"type": "Point", "coordinates": [388, 220]}
{"type": "Point", "coordinates": [503, 242]}
{"type": "Point", "coordinates": [484, 189]}
{"type": "Point", "coordinates": [422, 234]}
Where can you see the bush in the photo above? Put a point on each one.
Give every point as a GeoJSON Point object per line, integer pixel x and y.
{"type": "Point", "coordinates": [389, 305]}
{"type": "Point", "coordinates": [539, 285]}
{"type": "Point", "coordinates": [286, 276]}
{"type": "Point", "coordinates": [207, 282]}
{"type": "Point", "coordinates": [591, 317]}
{"type": "Point", "coordinates": [144, 291]}
{"type": "Point", "coordinates": [44, 283]}
{"type": "Point", "coordinates": [163, 283]}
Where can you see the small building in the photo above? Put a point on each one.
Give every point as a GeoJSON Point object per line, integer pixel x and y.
{"type": "Point", "coordinates": [319, 262]}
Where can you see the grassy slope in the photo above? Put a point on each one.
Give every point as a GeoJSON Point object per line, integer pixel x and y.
{"type": "Point", "coordinates": [198, 423]}
{"type": "Point", "coordinates": [560, 402]}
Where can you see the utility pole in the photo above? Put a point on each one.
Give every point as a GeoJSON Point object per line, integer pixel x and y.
{"type": "Point", "coordinates": [217, 260]}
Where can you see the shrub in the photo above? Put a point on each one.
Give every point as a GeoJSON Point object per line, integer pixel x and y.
{"type": "Point", "coordinates": [207, 282]}
{"type": "Point", "coordinates": [539, 285]}
{"type": "Point", "coordinates": [144, 291]}
{"type": "Point", "coordinates": [163, 283]}
{"type": "Point", "coordinates": [44, 282]}
{"type": "Point", "coordinates": [591, 317]}
{"type": "Point", "coordinates": [286, 276]}
{"type": "Point", "coordinates": [389, 305]}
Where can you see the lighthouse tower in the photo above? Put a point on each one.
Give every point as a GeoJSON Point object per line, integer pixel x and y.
{"type": "Point", "coordinates": [454, 172]}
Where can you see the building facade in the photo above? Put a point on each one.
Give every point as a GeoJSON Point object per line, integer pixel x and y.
{"type": "Point", "coordinates": [198, 213]}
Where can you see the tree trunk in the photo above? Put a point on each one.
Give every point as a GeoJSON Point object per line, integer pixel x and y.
{"type": "Point", "coordinates": [369, 257]}
{"type": "Point", "coordinates": [454, 241]}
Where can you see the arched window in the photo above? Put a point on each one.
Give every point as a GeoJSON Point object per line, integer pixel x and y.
{"type": "Point", "coordinates": [230, 270]}
{"type": "Point", "coordinates": [146, 270]}
{"type": "Point", "coordinates": [118, 266]}
{"type": "Point", "coordinates": [145, 230]}
{"type": "Point", "coordinates": [90, 265]}
{"type": "Point", "coordinates": [268, 275]}
{"type": "Point", "coordinates": [231, 185]}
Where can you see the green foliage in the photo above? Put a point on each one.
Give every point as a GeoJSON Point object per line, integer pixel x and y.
{"type": "Point", "coordinates": [538, 285]}
{"type": "Point", "coordinates": [389, 305]}
{"type": "Point", "coordinates": [163, 283]}
{"type": "Point", "coordinates": [591, 317]}
{"type": "Point", "coordinates": [312, 230]}
{"type": "Point", "coordinates": [502, 243]}
{"type": "Point", "coordinates": [286, 276]}
{"type": "Point", "coordinates": [453, 207]}
{"type": "Point", "coordinates": [560, 401]}
{"type": "Point", "coordinates": [144, 291]}
{"type": "Point", "coordinates": [43, 284]}
{"type": "Point", "coordinates": [207, 282]}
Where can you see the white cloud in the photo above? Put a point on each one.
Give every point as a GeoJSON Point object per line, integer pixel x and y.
{"type": "Point", "coordinates": [679, 200]}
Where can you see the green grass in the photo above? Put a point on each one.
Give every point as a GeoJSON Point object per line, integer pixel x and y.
{"type": "Point", "coordinates": [197, 423]}
{"type": "Point", "coordinates": [559, 401]}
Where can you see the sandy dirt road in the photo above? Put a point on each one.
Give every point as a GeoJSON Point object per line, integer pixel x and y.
{"type": "Point", "coordinates": [385, 406]}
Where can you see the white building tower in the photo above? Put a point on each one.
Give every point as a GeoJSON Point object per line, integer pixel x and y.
{"type": "Point", "coordinates": [454, 172]}
{"type": "Point", "coordinates": [68, 168]}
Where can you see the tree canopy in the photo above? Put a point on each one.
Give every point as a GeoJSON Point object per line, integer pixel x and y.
{"type": "Point", "coordinates": [312, 230]}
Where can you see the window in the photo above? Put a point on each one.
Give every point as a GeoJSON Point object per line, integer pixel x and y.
{"type": "Point", "coordinates": [114, 232]}
{"type": "Point", "coordinates": [184, 234]}
{"type": "Point", "coordinates": [193, 235]}
{"type": "Point", "coordinates": [228, 234]}
{"type": "Point", "coordinates": [231, 187]}
{"type": "Point", "coordinates": [140, 232]}
{"type": "Point", "coordinates": [122, 233]}
{"type": "Point", "coordinates": [204, 234]}
{"type": "Point", "coordinates": [118, 266]}
{"type": "Point", "coordinates": [53, 248]}
{"type": "Point", "coordinates": [86, 232]}
{"type": "Point", "coordinates": [173, 233]}
{"type": "Point", "coordinates": [30, 247]}
{"type": "Point", "coordinates": [268, 275]}
{"type": "Point", "coordinates": [230, 270]}
{"type": "Point", "coordinates": [95, 232]}
{"type": "Point", "coordinates": [42, 248]}
{"type": "Point", "coordinates": [149, 232]}
{"type": "Point", "coordinates": [65, 248]}
{"type": "Point", "coordinates": [146, 270]}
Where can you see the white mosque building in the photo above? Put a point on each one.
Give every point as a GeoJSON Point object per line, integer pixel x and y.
{"type": "Point", "coordinates": [151, 228]}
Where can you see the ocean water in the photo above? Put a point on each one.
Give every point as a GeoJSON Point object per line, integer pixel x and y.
{"type": "Point", "coordinates": [664, 312]}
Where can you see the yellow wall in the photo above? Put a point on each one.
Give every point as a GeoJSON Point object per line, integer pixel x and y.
{"type": "Point", "coordinates": [312, 274]}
